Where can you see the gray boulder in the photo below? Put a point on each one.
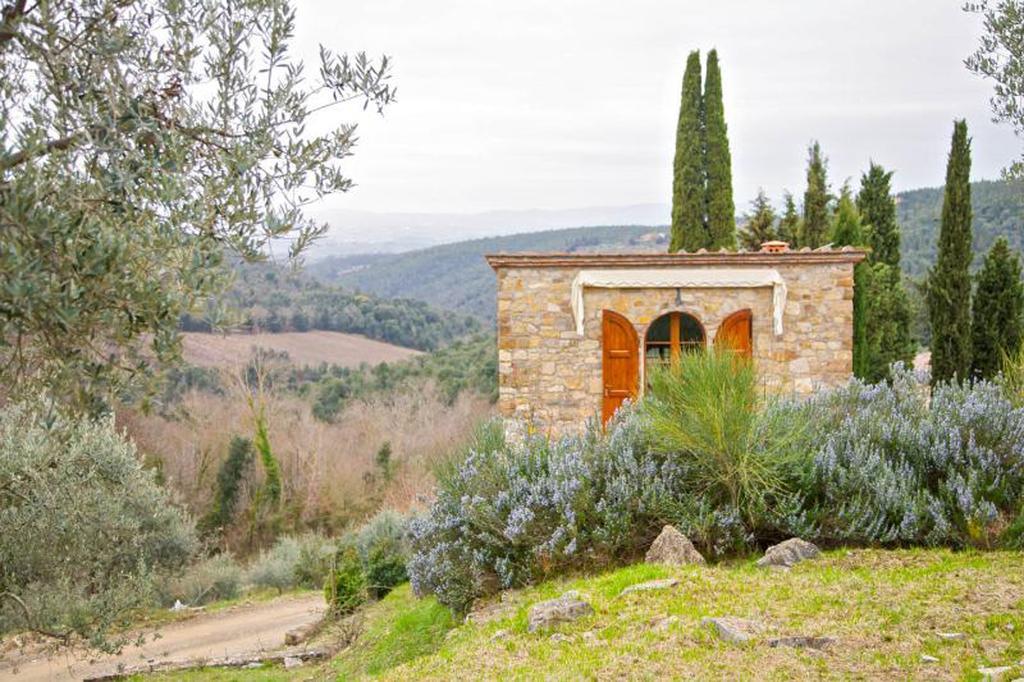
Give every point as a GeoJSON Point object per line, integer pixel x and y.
{"type": "Point", "coordinates": [672, 547]}
{"type": "Point", "coordinates": [787, 554]}
{"type": "Point", "coordinates": [565, 609]}
{"type": "Point", "coordinates": [734, 630]}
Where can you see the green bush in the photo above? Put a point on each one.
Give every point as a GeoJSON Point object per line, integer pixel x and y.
{"type": "Point", "coordinates": [346, 587]}
{"type": "Point", "coordinates": [86, 533]}
{"type": "Point", "coordinates": [706, 412]}
{"type": "Point", "coordinates": [213, 579]}
{"type": "Point", "coordinates": [276, 567]}
{"type": "Point", "coordinates": [384, 550]}
{"type": "Point", "coordinates": [314, 561]}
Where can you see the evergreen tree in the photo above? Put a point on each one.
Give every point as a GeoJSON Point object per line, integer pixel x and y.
{"type": "Point", "coordinates": [688, 195]}
{"type": "Point", "coordinates": [998, 311]}
{"type": "Point", "coordinates": [887, 317]}
{"type": "Point", "coordinates": [949, 281]}
{"type": "Point", "coordinates": [847, 229]}
{"type": "Point", "coordinates": [816, 197]}
{"type": "Point", "coordinates": [878, 210]}
{"type": "Point", "coordinates": [721, 211]}
{"type": "Point", "coordinates": [789, 225]}
{"type": "Point", "coordinates": [760, 225]}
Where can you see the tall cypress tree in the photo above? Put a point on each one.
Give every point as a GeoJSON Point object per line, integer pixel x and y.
{"type": "Point", "coordinates": [815, 225]}
{"type": "Point", "coordinates": [789, 224]}
{"type": "Point", "coordinates": [949, 281]}
{"type": "Point", "coordinates": [996, 327]}
{"type": "Point", "coordinates": [760, 225]}
{"type": "Point", "coordinates": [721, 211]}
{"type": "Point", "coordinates": [878, 209]}
{"type": "Point", "coordinates": [688, 192]}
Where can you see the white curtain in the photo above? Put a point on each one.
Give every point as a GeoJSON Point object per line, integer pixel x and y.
{"type": "Point", "coordinates": [681, 278]}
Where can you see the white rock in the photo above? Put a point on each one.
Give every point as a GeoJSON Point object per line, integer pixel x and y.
{"type": "Point", "coordinates": [565, 609]}
{"type": "Point", "coordinates": [292, 662]}
{"type": "Point", "coordinates": [950, 636]}
{"type": "Point", "coordinates": [925, 658]}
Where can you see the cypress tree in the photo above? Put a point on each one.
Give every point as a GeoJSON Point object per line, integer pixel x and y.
{"type": "Point", "coordinates": [949, 281]}
{"type": "Point", "coordinates": [998, 311]}
{"type": "Point", "coordinates": [815, 224]}
{"type": "Point", "coordinates": [688, 195]}
{"type": "Point", "coordinates": [878, 209]}
{"type": "Point", "coordinates": [721, 210]}
{"type": "Point", "coordinates": [760, 225]}
{"type": "Point", "coordinates": [789, 225]}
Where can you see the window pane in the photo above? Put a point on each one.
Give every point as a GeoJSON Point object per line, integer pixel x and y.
{"type": "Point", "coordinates": [659, 329]}
{"type": "Point", "coordinates": [690, 330]}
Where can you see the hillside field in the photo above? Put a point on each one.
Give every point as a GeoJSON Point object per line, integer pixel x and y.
{"type": "Point", "coordinates": [303, 348]}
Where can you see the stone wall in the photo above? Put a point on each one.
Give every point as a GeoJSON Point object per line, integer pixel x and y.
{"type": "Point", "coordinates": [551, 377]}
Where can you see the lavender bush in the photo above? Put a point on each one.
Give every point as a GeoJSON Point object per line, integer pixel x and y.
{"type": "Point", "coordinates": [896, 468]}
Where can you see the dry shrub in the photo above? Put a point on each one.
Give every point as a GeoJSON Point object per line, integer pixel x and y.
{"type": "Point", "coordinates": [330, 472]}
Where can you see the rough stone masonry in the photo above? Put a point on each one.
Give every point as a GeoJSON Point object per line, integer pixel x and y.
{"type": "Point", "coordinates": [550, 376]}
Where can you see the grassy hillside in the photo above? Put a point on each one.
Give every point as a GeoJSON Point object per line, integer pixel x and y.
{"type": "Point", "coordinates": [455, 276]}
{"type": "Point", "coordinates": [883, 608]}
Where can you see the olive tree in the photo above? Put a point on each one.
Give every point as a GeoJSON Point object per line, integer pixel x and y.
{"type": "Point", "coordinates": [144, 145]}
{"type": "Point", "coordinates": [1000, 57]}
{"type": "Point", "coordinates": [85, 529]}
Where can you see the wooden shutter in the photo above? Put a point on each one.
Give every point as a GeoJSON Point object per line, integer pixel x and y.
{"type": "Point", "coordinates": [736, 334]}
{"type": "Point", "coordinates": [620, 362]}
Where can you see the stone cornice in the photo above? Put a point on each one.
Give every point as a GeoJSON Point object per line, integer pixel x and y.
{"type": "Point", "coordinates": [646, 260]}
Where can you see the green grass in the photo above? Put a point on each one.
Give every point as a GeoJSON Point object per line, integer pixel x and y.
{"type": "Point", "coordinates": [884, 608]}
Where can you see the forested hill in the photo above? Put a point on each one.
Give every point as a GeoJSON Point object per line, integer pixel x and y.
{"type": "Point", "coordinates": [275, 299]}
{"type": "Point", "coordinates": [998, 210]}
{"type": "Point", "coordinates": [455, 276]}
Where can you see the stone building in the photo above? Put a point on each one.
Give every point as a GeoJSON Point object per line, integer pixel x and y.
{"type": "Point", "coordinates": [577, 332]}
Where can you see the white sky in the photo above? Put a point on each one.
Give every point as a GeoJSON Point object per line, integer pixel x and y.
{"type": "Point", "coordinates": [564, 103]}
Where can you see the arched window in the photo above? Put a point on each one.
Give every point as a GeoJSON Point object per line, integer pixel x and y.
{"type": "Point", "coordinates": [671, 335]}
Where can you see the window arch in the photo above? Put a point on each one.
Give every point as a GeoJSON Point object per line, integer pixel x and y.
{"type": "Point", "coordinates": [671, 335]}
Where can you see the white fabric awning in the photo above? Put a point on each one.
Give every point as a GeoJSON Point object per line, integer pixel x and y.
{"type": "Point", "coordinates": [681, 278]}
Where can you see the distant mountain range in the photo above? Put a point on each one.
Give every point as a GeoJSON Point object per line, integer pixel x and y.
{"type": "Point", "coordinates": [455, 276]}
{"type": "Point", "coordinates": [356, 232]}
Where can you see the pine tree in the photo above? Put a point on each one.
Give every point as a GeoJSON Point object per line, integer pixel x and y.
{"type": "Point", "coordinates": [721, 210]}
{"type": "Point", "coordinates": [878, 210]}
{"type": "Point", "coordinates": [688, 193]}
{"type": "Point", "coordinates": [949, 281]}
{"type": "Point", "coordinates": [816, 197]}
{"type": "Point", "coordinates": [760, 225]}
{"type": "Point", "coordinates": [998, 311]}
{"type": "Point", "coordinates": [789, 225]}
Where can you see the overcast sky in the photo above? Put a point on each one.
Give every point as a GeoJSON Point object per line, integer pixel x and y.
{"type": "Point", "coordinates": [565, 103]}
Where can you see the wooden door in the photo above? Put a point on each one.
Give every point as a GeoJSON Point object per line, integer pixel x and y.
{"type": "Point", "coordinates": [620, 362]}
{"type": "Point", "coordinates": [736, 334]}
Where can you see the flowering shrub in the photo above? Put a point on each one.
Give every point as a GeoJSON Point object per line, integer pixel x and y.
{"type": "Point", "coordinates": [896, 468]}
{"type": "Point", "coordinates": [511, 513]}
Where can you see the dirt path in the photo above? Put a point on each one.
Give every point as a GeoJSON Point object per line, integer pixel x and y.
{"type": "Point", "coordinates": [236, 630]}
